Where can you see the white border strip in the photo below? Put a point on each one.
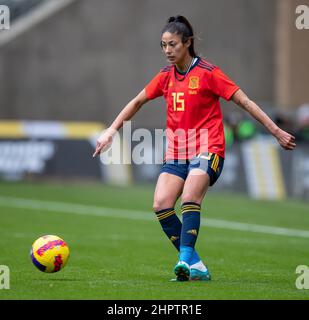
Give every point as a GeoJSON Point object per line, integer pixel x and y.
{"type": "Point", "coordinates": [71, 208]}
{"type": "Point", "coordinates": [31, 19]}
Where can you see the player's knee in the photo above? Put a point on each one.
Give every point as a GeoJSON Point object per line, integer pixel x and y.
{"type": "Point", "coordinates": [161, 204]}
{"type": "Point", "coordinates": [158, 206]}
{"type": "Point", "coordinates": [189, 197]}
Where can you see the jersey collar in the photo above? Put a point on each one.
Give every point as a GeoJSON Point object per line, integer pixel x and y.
{"type": "Point", "coordinates": [195, 62]}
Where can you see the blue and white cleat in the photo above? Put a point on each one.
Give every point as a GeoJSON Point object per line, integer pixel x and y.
{"type": "Point", "coordinates": [197, 275]}
{"type": "Point", "coordinates": [182, 271]}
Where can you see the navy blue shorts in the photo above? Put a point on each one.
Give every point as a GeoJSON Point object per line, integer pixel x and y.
{"type": "Point", "coordinates": [210, 163]}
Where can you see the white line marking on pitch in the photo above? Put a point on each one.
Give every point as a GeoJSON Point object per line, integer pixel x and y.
{"type": "Point", "coordinates": [81, 209]}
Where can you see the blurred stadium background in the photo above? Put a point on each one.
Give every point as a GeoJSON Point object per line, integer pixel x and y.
{"type": "Point", "coordinates": [67, 67]}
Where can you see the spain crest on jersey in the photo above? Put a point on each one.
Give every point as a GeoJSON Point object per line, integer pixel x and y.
{"type": "Point", "coordinates": [194, 82]}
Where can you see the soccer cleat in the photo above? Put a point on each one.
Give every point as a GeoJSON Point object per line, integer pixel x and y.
{"type": "Point", "coordinates": [197, 275]}
{"type": "Point", "coordinates": [182, 271]}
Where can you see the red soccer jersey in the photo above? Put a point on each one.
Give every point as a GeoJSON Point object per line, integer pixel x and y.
{"type": "Point", "coordinates": [194, 117]}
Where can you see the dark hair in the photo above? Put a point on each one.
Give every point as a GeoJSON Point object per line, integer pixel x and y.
{"type": "Point", "coordinates": [181, 26]}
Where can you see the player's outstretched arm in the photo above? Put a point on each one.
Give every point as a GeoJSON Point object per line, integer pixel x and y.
{"type": "Point", "coordinates": [126, 114]}
{"type": "Point", "coordinates": [286, 140]}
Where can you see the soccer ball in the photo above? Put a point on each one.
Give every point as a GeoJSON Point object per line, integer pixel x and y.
{"type": "Point", "coordinates": [49, 253]}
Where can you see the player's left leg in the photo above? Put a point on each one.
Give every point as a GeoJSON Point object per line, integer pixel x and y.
{"type": "Point", "coordinates": [203, 172]}
{"type": "Point", "coordinates": [195, 188]}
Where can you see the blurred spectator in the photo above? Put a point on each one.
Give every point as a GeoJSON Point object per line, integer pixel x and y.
{"type": "Point", "coordinates": [238, 128]}
{"type": "Point", "coordinates": [246, 129]}
{"type": "Point", "coordinates": [302, 122]}
{"type": "Point", "coordinates": [285, 122]}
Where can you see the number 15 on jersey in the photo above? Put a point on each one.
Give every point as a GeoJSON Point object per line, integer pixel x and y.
{"type": "Point", "coordinates": [178, 101]}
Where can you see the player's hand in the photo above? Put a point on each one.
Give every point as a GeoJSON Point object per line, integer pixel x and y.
{"type": "Point", "coordinates": [286, 140]}
{"type": "Point", "coordinates": [104, 141]}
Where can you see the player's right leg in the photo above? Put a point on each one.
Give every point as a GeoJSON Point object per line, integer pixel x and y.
{"type": "Point", "coordinates": [168, 189]}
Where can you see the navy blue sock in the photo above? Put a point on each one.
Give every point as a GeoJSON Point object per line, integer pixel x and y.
{"type": "Point", "coordinates": [191, 212]}
{"type": "Point", "coordinates": [171, 225]}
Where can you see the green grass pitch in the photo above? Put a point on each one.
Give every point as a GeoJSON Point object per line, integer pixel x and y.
{"type": "Point", "coordinates": [126, 256]}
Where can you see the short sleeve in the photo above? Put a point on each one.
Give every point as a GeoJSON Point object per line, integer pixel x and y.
{"type": "Point", "coordinates": [154, 88]}
{"type": "Point", "coordinates": [222, 85]}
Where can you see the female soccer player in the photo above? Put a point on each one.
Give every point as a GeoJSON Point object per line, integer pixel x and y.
{"type": "Point", "coordinates": [194, 158]}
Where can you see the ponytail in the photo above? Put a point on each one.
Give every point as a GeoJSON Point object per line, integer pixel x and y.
{"type": "Point", "coordinates": [181, 26]}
